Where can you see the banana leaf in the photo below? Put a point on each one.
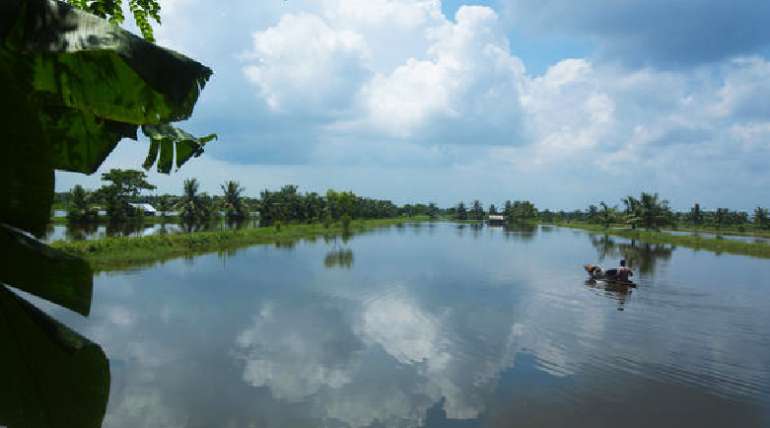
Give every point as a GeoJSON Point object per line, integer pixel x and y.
{"type": "Point", "coordinates": [36, 268]}
{"type": "Point", "coordinates": [163, 140]}
{"type": "Point", "coordinates": [51, 376]}
{"type": "Point", "coordinates": [26, 166]}
{"type": "Point", "coordinates": [94, 82]}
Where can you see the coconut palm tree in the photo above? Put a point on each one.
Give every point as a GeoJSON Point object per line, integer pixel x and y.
{"type": "Point", "coordinates": [721, 217]}
{"type": "Point", "coordinates": [233, 201]}
{"type": "Point", "coordinates": [631, 211]}
{"type": "Point", "coordinates": [192, 206]}
{"type": "Point", "coordinates": [653, 211]}
{"type": "Point", "coordinates": [696, 215]}
{"type": "Point", "coordinates": [477, 212]}
{"type": "Point", "coordinates": [607, 214]}
{"type": "Point", "coordinates": [762, 218]}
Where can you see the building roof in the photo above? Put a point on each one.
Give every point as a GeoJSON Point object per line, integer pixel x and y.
{"type": "Point", "coordinates": [496, 217]}
{"type": "Point", "coordinates": [144, 207]}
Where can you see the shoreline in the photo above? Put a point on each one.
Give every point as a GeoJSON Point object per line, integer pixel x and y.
{"type": "Point", "coordinates": [715, 245]}
{"type": "Point", "coordinates": [127, 253]}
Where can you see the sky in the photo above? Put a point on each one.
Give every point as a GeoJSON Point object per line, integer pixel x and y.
{"type": "Point", "coordinates": [559, 102]}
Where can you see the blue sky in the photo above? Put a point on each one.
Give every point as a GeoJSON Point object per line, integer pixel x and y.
{"type": "Point", "coordinates": [560, 102]}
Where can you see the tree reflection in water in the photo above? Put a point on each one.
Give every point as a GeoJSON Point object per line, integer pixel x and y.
{"type": "Point", "coordinates": [520, 231]}
{"type": "Point", "coordinates": [342, 258]}
{"type": "Point", "coordinates": [639, 256]}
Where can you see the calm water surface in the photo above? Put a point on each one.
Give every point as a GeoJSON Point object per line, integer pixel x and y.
{"type": "Point", "coordinates": [439, 326]}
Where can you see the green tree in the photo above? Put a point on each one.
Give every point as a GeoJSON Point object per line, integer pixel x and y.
{"type": "Point", "coordinates": [78, 210]}
{"type": "Point", "coordinates": [124, 187]}
{"type": "Point", "coordinates": [432, 211]}
{"type": "Point", "coordinates": [607, 214]}
{"type": "Point", "coordinates": [477, 212]}
{"type": "Point", "coordinates": [721, 217]}
{"type": "Point", "coordinates": [631, 212]}
{"type": "Point", "coordinates": [521, 211]}
{"type": "Point", "coordinates": [461, 213]}
{"type": "Point", "coordinates": [233, 201]}
{"type": "Point", "coordinates": [193, 208]}
{"type": "Point", "coordinates": [508, 210]}
{"type": "Point", "coordinates": [762, 218]}
{"type": "Point", "coordinates": [165, 204]}
{"type": "Point", "coordinates": [592, 214]}
{"type": "Point", "coordinates": [653, 211]}
{"type": "Point", "coordinates": [695, 217]}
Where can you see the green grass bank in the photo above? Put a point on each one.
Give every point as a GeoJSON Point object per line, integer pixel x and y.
{"type": "Point", "coordinates": [754, 249]}
{"type": "Point", "coordinates": [124, 253]}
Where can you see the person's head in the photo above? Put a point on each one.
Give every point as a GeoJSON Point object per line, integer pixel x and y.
{"type": "Point", "coordinates": [623, 263]}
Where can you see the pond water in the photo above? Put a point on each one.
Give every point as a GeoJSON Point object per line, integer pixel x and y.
{"type": "Point", "coordinates": [436, 325]}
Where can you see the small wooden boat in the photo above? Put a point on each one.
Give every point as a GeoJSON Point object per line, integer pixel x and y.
{"type": "Point", "coordinates": [607, 278]}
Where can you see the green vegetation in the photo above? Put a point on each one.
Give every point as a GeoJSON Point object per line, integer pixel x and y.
{"type": "Point", "coordinates": [124, 253]}
{"type": "Point", "coordinates": [79, 206]}
{"type": "Point", "coordinates": [690, 241]}
{"type": "Point", "coordinates": [124, 186]}
{"type": "Point", "coordinates": [233, 201]}
{"type": "Point", "coordinates": [194, 208]}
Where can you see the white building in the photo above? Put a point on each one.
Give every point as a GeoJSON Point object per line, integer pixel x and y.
{"type": "Point", "coordinates": [495, 219]}
{"type": "Point", "coordinates": [146, 209]}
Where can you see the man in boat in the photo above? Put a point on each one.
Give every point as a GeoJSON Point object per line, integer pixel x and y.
{"type": "Point", "coordinates": [621, 274]}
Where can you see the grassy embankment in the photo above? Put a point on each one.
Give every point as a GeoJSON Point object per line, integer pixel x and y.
{"type": "Point", "coordinates": [717, 245]}
{"type": "Point", "coordinates": [728, 230]}
{"type": "Point", "coordinates": [122, 253]}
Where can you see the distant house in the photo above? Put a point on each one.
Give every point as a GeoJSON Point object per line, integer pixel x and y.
{"type": "Point", "coordinates": [495, 219]}
{"type": "Point", "coordinates": [146, 209]}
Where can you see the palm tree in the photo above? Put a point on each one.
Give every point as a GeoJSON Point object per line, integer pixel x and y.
{"type": "Point", "coordinates": [762, 218]}
{"type": "Point", "coordinates": [477, 212]}
{"type": "Point", "coordinates": [632, 211]}
{"type": "Point", "coordinates": [696, 215]}
{"type": "Point", "coordinates": [461, 213]}
{"type": "Point", "coordinates": [192, 207]}
{"type": "Point", "coordinates": [164, 205]}
{"type": "Point", "coordinates": [607, 214]}
{"type": "Point", "coordinates": [233, 201]}
{"type": "Point", "coordinates": [721, 217]}
{"type": "Point", "coordinates": [653, 212]}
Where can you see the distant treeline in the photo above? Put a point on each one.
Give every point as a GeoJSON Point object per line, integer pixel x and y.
{"type": "Point", "coordinates": [287, 205]}
{"type": "Point", "coordinates": [649, 211]}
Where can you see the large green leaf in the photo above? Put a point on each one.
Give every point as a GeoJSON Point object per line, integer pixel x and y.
{"type": "Point", "coordinates": [26, 170]}
{"type": "Point", "coordinates": [167, 137]}
{"type": "Point", "coordinates": [50, 377]}
{"type": "Point", "coordinates": [87, 63]}
{"type": "Point", "coordinates": [34, 267]}
{"type": "Point", "coordinates": [93, 82]}
{"type": "Point", "coordinates": [80, 140]}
